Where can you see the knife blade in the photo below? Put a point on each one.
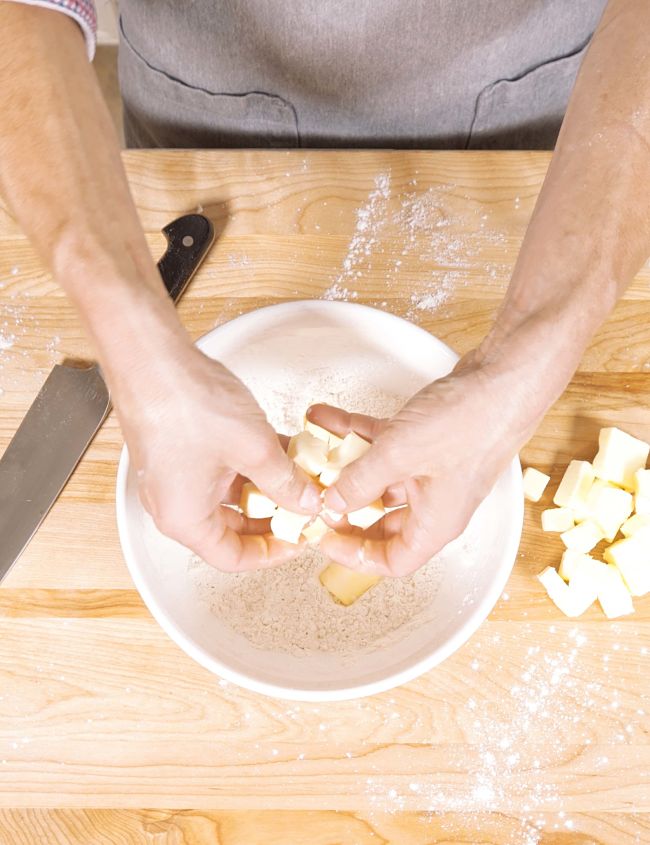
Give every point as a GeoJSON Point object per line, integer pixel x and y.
{"type": "Point", "coordinates": [71, 407]}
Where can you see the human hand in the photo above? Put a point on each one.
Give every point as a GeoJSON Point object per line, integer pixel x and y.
{"type": "Point", "coordinates": [195, 434]}
{"type": "Point", "coordinates": [440, 456]}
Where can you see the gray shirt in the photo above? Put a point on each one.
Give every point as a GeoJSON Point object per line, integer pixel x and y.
{"type": "Point", "coordinates": [353, 73]}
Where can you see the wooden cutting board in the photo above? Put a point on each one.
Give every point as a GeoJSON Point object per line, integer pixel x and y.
{"type": "Point", "coordinates": [535, 731]}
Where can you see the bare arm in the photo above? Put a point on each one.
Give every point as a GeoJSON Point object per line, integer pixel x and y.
{"type": "Point", "coordinates": [191, 426]}
{"type": "Point", "coordinates": [588, 236]}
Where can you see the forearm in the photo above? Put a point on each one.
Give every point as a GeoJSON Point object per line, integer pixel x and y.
{"type": "Point", "coordinates": [589, 233]}
{"type": "Point", "coordinates": [61, 174]}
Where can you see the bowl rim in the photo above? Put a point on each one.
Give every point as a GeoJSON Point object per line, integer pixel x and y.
{"type": "Point", "coordinates": [479, 614]}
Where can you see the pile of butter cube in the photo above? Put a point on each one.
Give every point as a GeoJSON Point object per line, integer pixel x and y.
{"type": "Point", "coordinates": [595, 502]}
{"type": "Point", "coordinates": [322, 455]}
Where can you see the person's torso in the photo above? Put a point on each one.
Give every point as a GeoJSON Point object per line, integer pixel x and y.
{"type": "Point", "coordinates": [402, 71]}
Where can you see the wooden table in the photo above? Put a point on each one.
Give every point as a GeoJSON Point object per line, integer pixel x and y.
{"type": "Point", "coordinates": [535, 731]}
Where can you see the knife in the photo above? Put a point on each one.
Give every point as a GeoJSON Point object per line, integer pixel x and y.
{"type": "Point", "coordinates": [70, 408]}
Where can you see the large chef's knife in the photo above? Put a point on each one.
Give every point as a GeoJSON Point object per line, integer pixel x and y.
{"type": "Point", "coordinates": [70, 408]}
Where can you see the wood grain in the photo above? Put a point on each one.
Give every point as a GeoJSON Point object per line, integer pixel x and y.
{"type": "Point", "coordinates": [536, 731]}
{"type": "Point", "coordinates": [167, 827]}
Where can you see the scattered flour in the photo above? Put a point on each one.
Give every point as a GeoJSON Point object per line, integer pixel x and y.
{"type": "Point", "coordinates": [439, 238]}
{"type": "Point", "coordinates": [6, 341]}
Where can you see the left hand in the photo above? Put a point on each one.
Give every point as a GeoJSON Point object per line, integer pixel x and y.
{"type": "Point", "coordinates": [440, 456]}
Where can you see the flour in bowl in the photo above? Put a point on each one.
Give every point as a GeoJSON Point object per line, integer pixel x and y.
{"type": "Point", "coordinates": [288, 609]}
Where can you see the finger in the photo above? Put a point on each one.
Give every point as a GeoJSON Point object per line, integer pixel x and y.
{"type": "Point", "coordinates": [217, 544]}
{"type": "Point", "coordinates": [395, 496]}
{"type": "Point", "coordinates": [283, 481]}
{"type": "Point", "coordinates": [361, 482]}
{"type": "Point", "coordinates": [244, 524]}
{"type": "Point", "coordinates": [340, 422]}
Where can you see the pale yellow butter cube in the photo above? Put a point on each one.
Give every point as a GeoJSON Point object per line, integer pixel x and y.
{"type": "Point", "coordinates": [330, 475]}
{"type": "Point", "coordinates": [582, 510]}
{"type": "Point", "coordinates": [642, 483]}
{"type": "Point", "coordinates": [315, 531]}
{"type": "Point", "coordinates": [609, 507]}
{"type": "Point", "coordinates": [591, 576]}
{"type": "Point", "coordinates": [534, 484]}
{"type": "Point", "coordinates": [585, 579]}
{"type": "Point", "coordinates": [255, 504]}
{"type": "Point", "coordinates": [632, 558]}
{"type": "Point", "coordinates": [619, 457]}
{"type": "Point", "coordinates": [583, 537]}
{"type": "Point", "coordinates": [365, 517]}
{"type": "Point", "coordinates": [321, 433]}
{"type": "Point", "coordinates": [569, 563]}
{"type": "Point", "coordinates": [317, 431]}
{"type": "Point", "coordinates": [349, 449]}
{"type": "Point", "coordinates": [571, 601]}
{"type": "Point", "coordinates": [613, 595]}
{"type": "Point", "coordinates": [557, 519]}
{"type": "Point", "coordinates": [575, 485]}
{"type": "Point", "coordinates": [308, 452]}
{"type": "Point", "coordinates": [634, 524]}
{"type": "Point", "coordinates": [346, 585]}
{"type": "Point", "coordinates": [642, 505]}
{"type": "Point", "coordinates": [288, 526]}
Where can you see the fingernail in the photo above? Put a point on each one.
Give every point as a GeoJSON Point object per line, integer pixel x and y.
{"type": "Point", "coordinates": [335, 501]}
{"type": "Point", "coordinates": [310, 499]}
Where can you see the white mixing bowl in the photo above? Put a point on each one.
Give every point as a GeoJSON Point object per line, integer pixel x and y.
{"type": "Point", "coordinates": [288, 350]}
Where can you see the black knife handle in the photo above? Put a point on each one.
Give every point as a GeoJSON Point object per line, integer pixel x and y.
{"type": "Point", "coordinates": [188, 240]}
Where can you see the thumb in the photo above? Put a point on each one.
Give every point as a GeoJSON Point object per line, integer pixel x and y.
{"type": "Point", "coordinates": [361, 482]}
{"type": "Point", "coordinates": [283, 481]}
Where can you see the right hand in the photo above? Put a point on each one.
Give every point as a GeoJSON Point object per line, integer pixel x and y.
{"type": "Point", "coordinates": [194, 433]}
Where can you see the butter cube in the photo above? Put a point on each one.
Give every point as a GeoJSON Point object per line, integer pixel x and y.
{"type": "Point", "coordinates": [255, 504]}
{"type": "Point", "coordinates": [574, 487]}
{"type": "Point", "coordinates": [317, 431]}
{"type": "Point", "coordinates": [582, 510]}
{"type": "Point", "coordinates": [642, 505]}
{"type": "Point", "coordinates": [632, 559]}
{"type": "Point", "coordinates": [583, 537]}
{"type": "Point", "coordinates": [349, 449]}
{"type": "Point", "coordinates": [321, 433]}
{"type": "Point", "coordinates": [315, 531]}
{"type": "Point", "coordinates": [288, 526]}
{"type": "Point", "coordinates": [636, 523]}
{"type": "Point", "coordinates": [330, 475]}
{"type": "Point", "coordinates": [609, 507]}
{"type": "Point", "coordinates": [308, 452]}
{"type": "Point", "coordinates": [619, 457]}
{"type": "Point", "coordinates": [569, 563]}
{"type": "Point", "coordinates": [534, 484]}
{"type": "Point", "coordinates": [642, 483]}
{"type": "Point", "coordinates": [585, 579]}
{"type": "Point", "coordinates": [613, 596]}
{"type": "Point", "coordinates": [572, 601]}
{"type": "Point", "coordinates": [557, 519]}
{"type": "Point", "coordinates": [365, 517]}
{"type": "Point", "coordinates": [346, 585]}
